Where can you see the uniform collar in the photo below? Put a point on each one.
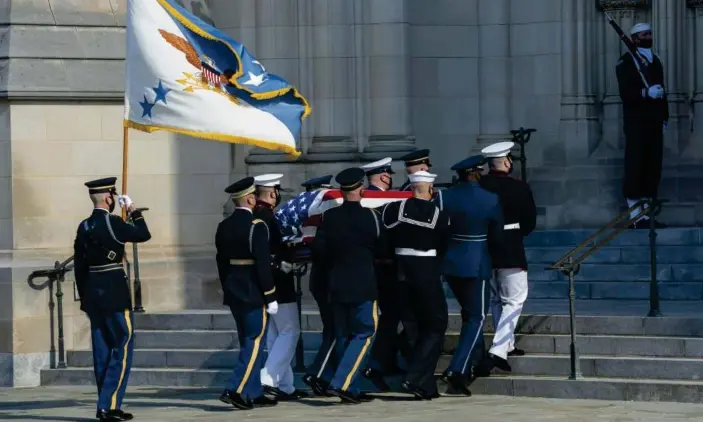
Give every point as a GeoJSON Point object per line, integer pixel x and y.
{"type": "Point", "coordinates": [497, 173]}
{"type": "Point", "coordinates": [101, 209]}
{"type": "Point", "coordinates": [245, 209]}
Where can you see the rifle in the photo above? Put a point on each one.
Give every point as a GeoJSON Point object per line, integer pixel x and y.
{"type": "Point", "coordinates": [640, 61]}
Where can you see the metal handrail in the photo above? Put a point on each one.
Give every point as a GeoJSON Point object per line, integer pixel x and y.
{"type": "Point", "coordinates": [55, 275]}
{"type": "Point", "coordinates": [570, 266]}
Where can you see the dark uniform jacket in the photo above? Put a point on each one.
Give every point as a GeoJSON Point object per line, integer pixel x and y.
{"type": "Point", "coordinates": [405, 186]}
{"type": "Point", "coordinates": [419, 225]}
{"type": "Point", "coordinates": [244, 259]}
{"type": "Point", "coordinates": [285, 283]}
{"type": "Point", "coordinates": [475, 219]}
{"type": "Point", "coordinates": [348, 239]}
{"type": "Point", "coordinates": [519, 215]}
{"type": "Point", "coordinates": [636, 105]}
{"type": "Point", "coordinates": [98, 253]}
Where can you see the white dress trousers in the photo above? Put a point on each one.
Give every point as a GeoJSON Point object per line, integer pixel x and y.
{"type": "Point", "coordinates": [281, 341]}
{"type": "Point", "coordinates": [509, 292]}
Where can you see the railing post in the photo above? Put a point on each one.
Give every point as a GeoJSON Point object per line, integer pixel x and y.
{"type": "Point", "coordinates": [575, 364]}
{"type": "Point", "coordinates": [654, 308]}
{"type": "Point", "coordinates": [59, 304]}
{"type": "Point", "coordinates": [52, 331]}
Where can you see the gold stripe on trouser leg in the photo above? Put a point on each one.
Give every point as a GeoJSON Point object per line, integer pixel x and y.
{"type": "Point", "coordinates": [128, 323]}
{"type": "Point", "coordinates": [254, 354]}
{"type": "Point", "coordinates": [348, 380]}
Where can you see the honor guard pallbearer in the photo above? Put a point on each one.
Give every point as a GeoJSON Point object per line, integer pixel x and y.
{"type": "Point", "coordinates": [476, 219]}
{"type": "Point", "coordinates": [383, 360]}
{"type": "Point", "coordinates": [104, 293]}
{"type": "Point", "coordinates": [415, 161]}
{"type": "Point", "coordinates": [348, 239]}
{"type": "Point", "coordinates": [284, 327]}
{"type": "Point", "coordinates": [419, 235]}
{"type": "Point", "coordinates": [319, 373]}
{"type": "Point", "coordinates": [509, 282]}
{"type": "Point", "coordinates": [645, 117]}
{"type": "Point", "coordinates": [244, 266]}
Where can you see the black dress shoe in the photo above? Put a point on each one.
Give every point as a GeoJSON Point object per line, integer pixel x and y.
{"type": "Point", "coordinates": [318, 386]}
{"type": "Point", "coordinates": [347, 397]}
{"type": "Point", "coordinates": [274, 391]}
{"type": "Point", "coordinates": [263, 401]}
{"type": "Point", "coordinates": [236, 400]}
{"type": "Point", "coordinates": [295, 395]}
{"type": "Point", "coordinates": [457, 384]}
{"type": "Point", "coordinates": [365, 398]}
{"type": "Point", "coordinates": [500, 363]}
{"type": "Point", "coordinates": [416, 391]}
{"type": "Point", "coordinates": [376, 378]}
{"type": "Point", "coordinates": [113, 415]}
{"type": "Point", "coordinates": [516, 352]}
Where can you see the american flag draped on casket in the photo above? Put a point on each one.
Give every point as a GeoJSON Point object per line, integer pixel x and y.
{"type": "Point", "coordinates": [300, 216]}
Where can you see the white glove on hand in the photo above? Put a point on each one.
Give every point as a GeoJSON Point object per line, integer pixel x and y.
{"type": "Point", "coordinates": [655, 91]}
{"type": "Point", "coordinates": [272, 308]}
{"type": "Point", "coordinates": [286, 267]}
{"type": "Point", "coordinates": [124, 201]}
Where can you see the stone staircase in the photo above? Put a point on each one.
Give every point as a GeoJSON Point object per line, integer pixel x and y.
{"type": "Point", "coordinates": [624, 355]}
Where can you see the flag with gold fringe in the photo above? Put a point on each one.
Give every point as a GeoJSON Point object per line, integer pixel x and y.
{"type": "Point", "coordinates": [186, 76]}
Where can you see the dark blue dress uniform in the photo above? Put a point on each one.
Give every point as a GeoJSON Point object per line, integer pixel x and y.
{"type": "Point", "coordinates": [244, 267]}
{"type": "Point", "coordinates": [419, 235]}
{"type": "Point", "coordinates": [105, 297]}
{"type": "Point", "coordinates": [414, 158]}
{"type": "Point", "coordinates": [348, 238]}
{"type": "Point", "coordinates": [476, 218]}
{"type": "Point", "coordinates": [319, 373]}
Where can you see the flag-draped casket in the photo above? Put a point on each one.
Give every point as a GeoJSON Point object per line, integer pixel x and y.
{"type": "Point", "coordinates": [300, 216]}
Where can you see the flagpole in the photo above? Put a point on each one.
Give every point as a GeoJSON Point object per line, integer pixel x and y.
{"type": "Point", "coordinates": [125, 157]}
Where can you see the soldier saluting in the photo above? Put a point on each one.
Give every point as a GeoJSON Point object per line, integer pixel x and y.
{"type": "Point", "coordinates": [244, 267]}
{"type": "Point", "coordinates": [509, 282]}
{"type": "Point", "coordinates": [104, 292]}
{"type": "Point", "coordinates": [419, 234]}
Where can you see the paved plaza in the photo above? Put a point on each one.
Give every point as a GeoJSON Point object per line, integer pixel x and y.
{"type": "Point", "coordinates": [164, 404]}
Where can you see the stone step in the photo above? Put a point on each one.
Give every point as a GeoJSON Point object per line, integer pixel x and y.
{"type": "Point", "coordinates": [674, 236]}
{"type": "Point", "coordinates": [692, 254]}
{"type": "Point", "coordinates": [534, 323]}
{"type": "Point", "coordinates": [513, 385]}
{"type": "Point", "coordinates": [542, 365]}
{"type": "Point", "coordinates": [600, 290]}
{"type": "Point", "coordinates": [531, 343]}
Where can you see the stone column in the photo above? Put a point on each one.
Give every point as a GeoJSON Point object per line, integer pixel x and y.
{"type": "Point", "coordinates": [334, 63]}
{"type": "Point", "coordinates": [495, 78]}
{"type": "Point", "coordinates": [668, 21]}
{"type": "Point", "coordinates": [625, 13]}
{"type": "Point", "coordinates": [578, 126]}
{"type": "Point", "coordinates": [383, 79]}
{"type": "Point", "coordinates": [695, 42]}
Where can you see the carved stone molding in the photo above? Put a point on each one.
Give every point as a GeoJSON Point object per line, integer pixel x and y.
{"type": "Point", "coordinates": [608, 5]}
{"type": "Point", "coordinates": [694, 4]}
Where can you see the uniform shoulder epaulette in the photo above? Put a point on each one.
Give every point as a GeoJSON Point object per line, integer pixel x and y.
{"type": "Point", "coordinates": [257, 221]}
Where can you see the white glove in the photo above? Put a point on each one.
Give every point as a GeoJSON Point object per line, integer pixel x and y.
{"type": "Point", "coordinates": [272, 308]}
{"type": "Point", "coordinates": [124, 201]}
{"type": "Point", "coordinates": [286, 267]}
{"type": "Point", "coordinates": [655, 91]}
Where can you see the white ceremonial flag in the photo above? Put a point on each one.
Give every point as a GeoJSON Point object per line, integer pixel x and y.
{"type": "Point", "coordinates": [185, 76]}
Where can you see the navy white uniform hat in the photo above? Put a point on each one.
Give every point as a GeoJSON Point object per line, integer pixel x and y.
{"type": "Point", "coordinates": [378, 167]}
{"type": "Point", "coordinates": [350, 179]}
{"type": "Point", "coordinates": [500, 149]}
{"type": "Point", "coordinates": [640, 27]}
{"type": "Point", "coordinates": [322, 182]}
{"type": "Point", "coordinates": [420, 156]}
{"type": "Point", "coordinates": [473, 163]}
{"type": "Point", "coordinates": [268, 180]}
{"type": "Point", "coordinates": [422, 177]}
{"type": "Point", "coordinates": [241, 188]}
{"type": "Point", "coordinates": [105, 185]}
